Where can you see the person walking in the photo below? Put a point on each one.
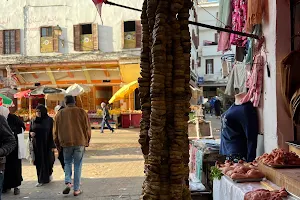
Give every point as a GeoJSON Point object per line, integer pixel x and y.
{"type": "Point", "coordinates": [217, 106]}
{"type": "Point", "coordinates": [72, 132]}
{"type": "Point", "coordinates": [7, 142]}
{"type": "Point", "coordinates": [212, 105]}
{"type": "Point", "coordinates": [43, 145]}
{"type": "Point", "coordinates": [60, 153]}
{"type": "Point", "coordinates": [13, 167]}
{"type": "Point", "coordinates": [105, 118]}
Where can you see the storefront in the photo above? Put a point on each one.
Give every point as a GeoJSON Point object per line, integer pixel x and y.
{"type": "Point", "coordinates": [274, 62]}
{"type": "Point", "coordinates": [104, 76]}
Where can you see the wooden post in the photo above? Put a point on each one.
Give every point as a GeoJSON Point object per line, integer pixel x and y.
{"type": "Point", "coordinates": [130, 112]}
{"type": "Point", "coordinates": [30, 101]}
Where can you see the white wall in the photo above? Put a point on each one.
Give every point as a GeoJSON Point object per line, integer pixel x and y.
{"type": "Point", "coordinates": [30, 15]}
{"type": "Point", "coordinates": [207, 13]}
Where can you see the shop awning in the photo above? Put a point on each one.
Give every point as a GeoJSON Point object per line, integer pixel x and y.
{"type": "Point", "coordinates": [123, 91]}
{"type": "Point", "coordinates": [130, 72]}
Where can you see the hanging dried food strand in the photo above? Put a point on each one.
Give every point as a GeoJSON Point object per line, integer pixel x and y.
{"type": "Point", "coordinates": [176, 141]}
{"type": "Point", "coordinates": [183, 17]}
{"type": "Point", "coordinates": [144, 87]}
{"type": "Point", "coordinates": [164, 96]}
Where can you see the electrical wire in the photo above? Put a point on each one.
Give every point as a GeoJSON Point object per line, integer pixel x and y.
{"type": "Point", "coordinates": [212, 15]}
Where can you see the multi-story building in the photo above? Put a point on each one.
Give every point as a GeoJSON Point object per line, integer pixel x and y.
{"type": "Point", "coordinates": [61, 42]}
{"type": "Point", "coordinates": [206, 65]}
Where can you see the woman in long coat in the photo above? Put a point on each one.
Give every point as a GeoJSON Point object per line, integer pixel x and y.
{"type": "Point", "coordinates": [13, 167]}
{"type": "Point", "coordinates": [43, 145]}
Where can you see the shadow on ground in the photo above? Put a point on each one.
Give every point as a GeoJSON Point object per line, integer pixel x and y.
{"type": "Point", "coordinates": [99, 188]}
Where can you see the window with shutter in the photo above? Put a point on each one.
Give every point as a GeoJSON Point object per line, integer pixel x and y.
{"type": "Point", "coordinates": [95, 36]}
{"type": "Point", "coordinates": [209, 66]}
{"type": "Point", "coordinates": [138, 33]}
{"type": "Point", "coordinates": [130, 37]}
{"type": "Point", "coordinates": [46, 40]}
{"type": "Point", "coordinates": [55, 41]}
{"type": "Point", "coordinates": [1, 42]}
{"type": "Point", "coordinates": [86, 37]}
{"type": "Point", "coordinates": [9, 41]}
{"type": "Point", "coordinates": [18, 41]}
{"type": "Point", "coordinates": [77, 34]}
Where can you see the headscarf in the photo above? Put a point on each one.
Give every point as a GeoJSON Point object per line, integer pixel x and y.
{"type": "Point", "coordinates": [43, 110]}
{"type": "Point", "coordinates": [4, 111]}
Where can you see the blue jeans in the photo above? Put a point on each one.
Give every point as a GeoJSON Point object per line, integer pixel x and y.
{"type": "Point", "coordinates": [1, 183]}
{"type": "Point", "coordinates": [73, 154]}
{"type": "Point", "coordinates": [105, 121]}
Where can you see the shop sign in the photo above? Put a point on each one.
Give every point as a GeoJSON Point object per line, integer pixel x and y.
{"type": "Point", "coordinates": [200, 80]}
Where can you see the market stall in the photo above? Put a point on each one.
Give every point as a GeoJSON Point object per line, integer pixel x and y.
{"type": "Point", "coordinates": [129, 118]}
{"type": "Point", "coordinates": [227, 189]}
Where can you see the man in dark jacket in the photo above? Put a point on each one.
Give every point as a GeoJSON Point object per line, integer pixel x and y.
{"type": "Point", "coordinates": [8, 144]}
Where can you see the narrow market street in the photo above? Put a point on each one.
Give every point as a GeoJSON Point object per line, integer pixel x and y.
{"type": "Point", "coordinates": [112, 169]}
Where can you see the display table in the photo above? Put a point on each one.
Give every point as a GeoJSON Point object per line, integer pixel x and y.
{"type": "Point", "coordinates": [135, 120]}
{"type": "Point", "coordinates": [225, 189]}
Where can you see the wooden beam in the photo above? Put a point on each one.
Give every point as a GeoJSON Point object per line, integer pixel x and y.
{"type": "Point", "coordinates": [87, 75]}
{"type": "Point", "coordinates": [62, 64]}
{"type": "Point", "coordinates": [50, 75]}
{"type": "Point", "coordinates": [70, 74]}
{"type": "Point", "coordinates": [35, 76]}
{"type": "Point", "coordinates": [106, 73]}
{"type": "Point", "coordinates": [20, 77]}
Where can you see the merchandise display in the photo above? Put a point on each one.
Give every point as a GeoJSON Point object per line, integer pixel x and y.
{"type": "Point", "coordinates": [164, 92]}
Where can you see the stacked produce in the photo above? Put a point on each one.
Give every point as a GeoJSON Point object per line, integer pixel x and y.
{"type": "Point", "coordinates": [164, 96]}
{"type": "Point", "coordinates": [266, 194]}
{"type": "Point", "coordinates": [279, 157]}
{"type": "Point", "coordinates": [241, 170]}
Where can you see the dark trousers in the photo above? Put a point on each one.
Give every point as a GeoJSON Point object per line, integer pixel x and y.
{"type": "Point", "coordinates": [105, 121]}
{"type": "Point", "coordinates": [1, 182]}
{"type": "Point", "coordinates": [61, 158]}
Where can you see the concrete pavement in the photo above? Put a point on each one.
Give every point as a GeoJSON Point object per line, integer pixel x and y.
{"type": "Point", "coordinates": [112, 169]}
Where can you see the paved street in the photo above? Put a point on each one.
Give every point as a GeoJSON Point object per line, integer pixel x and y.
{"type": "Point", "coordinates": [113, 169]}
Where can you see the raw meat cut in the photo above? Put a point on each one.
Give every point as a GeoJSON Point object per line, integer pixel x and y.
{"type": "Point", "coordinates": [262, 194]}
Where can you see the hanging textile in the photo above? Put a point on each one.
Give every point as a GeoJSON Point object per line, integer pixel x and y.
{"type": "Point", "coordinates": [255, 13]}
{"type": "Point", "coordinates": [225, 69]}
{"type": "Point", "coordinates": [225, 11]}
{"type": "Point", "coordinates": [249, 57]}
{"type": "Point", "coordinates": [224, 42]}
{"type": "Point", "coordinates": [239, 18]}
{"type": "Point", "coordinates": [255, 81]}
{"type": "Point", "coordinates": [240, 53]}
{"type": "Point", "coordinates": [237, 79]}
{"type": "Point", "coordinates": [98, 4]}
{"type": "Point", "coordinates": [289, 73]}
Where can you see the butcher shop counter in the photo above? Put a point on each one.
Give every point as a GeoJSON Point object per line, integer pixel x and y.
{"type": "Point", "coordinates": [225, 189]}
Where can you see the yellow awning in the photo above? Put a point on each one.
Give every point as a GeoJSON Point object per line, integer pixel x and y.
{"type": "Point", "coordinates": [130, 72]}
{"type": "Point", "coordinates": [123, 91]}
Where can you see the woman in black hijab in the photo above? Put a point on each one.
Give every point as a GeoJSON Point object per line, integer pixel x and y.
{"type": "Point", "coordinates": [13, 166]}
{"type": "Point", "coordinates": [43, 145]}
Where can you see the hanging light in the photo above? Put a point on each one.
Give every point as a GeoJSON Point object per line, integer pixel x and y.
{"type": "Point", "coordinates": [57, 30]}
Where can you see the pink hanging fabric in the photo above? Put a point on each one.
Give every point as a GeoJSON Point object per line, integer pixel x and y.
{"type": "Point", "coordinates": [224, 42]}
{"type": "Point", "coordinates": [255, 81]}
{"type": "Point", "coordinates": [98, 4]}
{"type": "Point", "coordinates": [239, 19]}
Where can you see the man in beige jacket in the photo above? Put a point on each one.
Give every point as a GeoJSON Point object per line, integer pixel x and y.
{"type": "Point", "coordinates": [72, 131]}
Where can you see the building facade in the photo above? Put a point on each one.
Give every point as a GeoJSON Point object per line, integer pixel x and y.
{"type": "Point", "coordinates": [61, 42]}
{"type": "Point", "coordinates": [206, 62]}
